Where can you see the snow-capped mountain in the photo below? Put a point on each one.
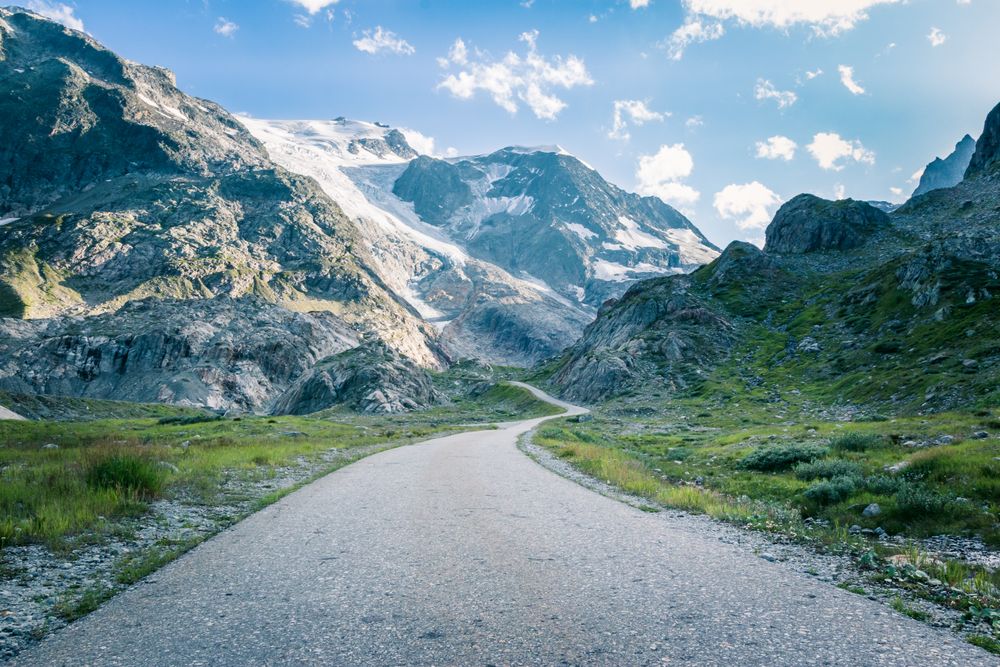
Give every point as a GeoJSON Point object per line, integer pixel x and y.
{"type": "Point", "coordinates": [508, 254]}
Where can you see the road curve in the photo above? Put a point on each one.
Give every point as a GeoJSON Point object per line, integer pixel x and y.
{"type": "Point", "coordinates": [462, 551]}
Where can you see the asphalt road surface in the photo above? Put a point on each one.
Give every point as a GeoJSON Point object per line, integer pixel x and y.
{"type": "Point", "coordinates": [462, 551]}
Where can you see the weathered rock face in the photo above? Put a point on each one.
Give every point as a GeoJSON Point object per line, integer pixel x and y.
{"type": "Point", "coordinates": [986, 159]}
{"type": "Point", "coordinates": [371, 378]}
{"type": "Point", "coordinates": [950, 171]}
{"type": "Point", "coordinates": [657, 338]}
{"type": "Point", "coordinates": [807, 223]}
{"type": "Point", "coordinates": [225, 354]}
{"type": "Point", "coordinates": [116, 187]}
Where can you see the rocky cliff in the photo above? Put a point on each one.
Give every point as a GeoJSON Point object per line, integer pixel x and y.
{"type": "Point", "coordinates": [947, 172]}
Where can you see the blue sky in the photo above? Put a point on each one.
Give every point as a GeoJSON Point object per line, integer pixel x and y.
{"type": "Point", "coordinates": [723, 110]}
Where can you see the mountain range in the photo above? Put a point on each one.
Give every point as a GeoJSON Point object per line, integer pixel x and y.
{"type": "Point", "coordinates": [155, 247]}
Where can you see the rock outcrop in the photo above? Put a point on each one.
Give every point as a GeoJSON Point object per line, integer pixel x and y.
{"type": "Point", "coordinates": [224, 354]}
{"type": "Point", "coordinates": [807, 223]}
{"type": "Point", "coordinates": [947, 172]}
{"type": "Point", "coordinates": [986, 159]}
{"type": "Point", "coordinates": [371, 379]}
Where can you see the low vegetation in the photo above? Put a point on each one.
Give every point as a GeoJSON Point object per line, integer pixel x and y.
{"type": "Point", "coordinates": [832, 483]}
{"type": "Point", "coordinates": [63, 481]}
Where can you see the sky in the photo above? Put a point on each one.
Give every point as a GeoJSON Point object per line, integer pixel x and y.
{"type": "Point", "coordinates": [723, 108]}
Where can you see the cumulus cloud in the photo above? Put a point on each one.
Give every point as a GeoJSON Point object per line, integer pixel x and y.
{"type": "Point", "coordinates": [847, 78]}
{"type": "Point", "coordinates": [777, 148]}
{"type": "Point", "coordinates": [58, 12]}
{"type": "Point", "coordinates": [660, 175]}
{"type": "Point", "coordinates": [831, 150]}
{"type": "Point", "coordinates": [750, 205]}
{"type": "Point", "coordinates": [225, 27]}
{"type": "Point", "coordinates": [636, 4]}
{"type": "Point", "coordinates": [765, 90]}
{"type": "Point", "coordinates": [313, 7]}
{"type": "Point", "coordinates": [693, 31]}
{"type": "Point", "coordinates": [419, 141]}
{"type": "Point", "coordinates": [528, 78]}
{"type": "Point", "coordinates": [936, 37]}
{"type": "Point", "coordinates": [825, 17]}
{"type": "Point", "coordinates": [383, 41]}
{"type": "Point", "coordinates": [635, 112]}
{"type": "Point", "coordinates": [704, 19]}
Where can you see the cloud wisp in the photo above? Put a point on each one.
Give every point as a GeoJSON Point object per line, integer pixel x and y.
{"type": "Point", "coordinates": [515, 79]}
{"type": "Point", "coordinates": [381, 40]}
{"type": "Point", "coordinates": [631, 112]}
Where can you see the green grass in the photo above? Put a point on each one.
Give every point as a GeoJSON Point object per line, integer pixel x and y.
{"type": "Point", "coordinates": [907, 610]}
{"type": "Point", "coordinates": [984, 642]}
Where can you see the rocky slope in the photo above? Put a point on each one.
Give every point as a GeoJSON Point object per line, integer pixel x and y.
{"type": "Point", "coordinates": [116, 187]}
{"type": "Point", "coordinates": [508, 254]}
{"type": "Point", "coordinates": [846, 306]}
{"type": "Point", "coordinates": [947, 172]}
{"type": "Point", "coordinates": [481, 310]}
{"type": "Point", "coordinates": [543, 214]}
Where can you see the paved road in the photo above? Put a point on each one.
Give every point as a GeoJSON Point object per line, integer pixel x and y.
{"type": "Point", "coordinates": [462, 551]}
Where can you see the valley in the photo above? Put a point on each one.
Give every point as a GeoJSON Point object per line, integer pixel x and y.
{"type": "Point", "coordinates": [305, 356]}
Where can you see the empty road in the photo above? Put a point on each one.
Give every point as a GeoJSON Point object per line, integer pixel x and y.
{"type": "Point", "coordinates": [462, 551]}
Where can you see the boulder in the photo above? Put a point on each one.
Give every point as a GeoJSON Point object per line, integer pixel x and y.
{"type": "Point", "coordinates": [809, 224]}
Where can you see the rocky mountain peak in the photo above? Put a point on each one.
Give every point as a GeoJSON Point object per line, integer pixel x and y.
{"type": "Point", "coordinates": [947, 172]}
{"type": "Point", "coordinates": [987, 156]}
{"type": "Point", "coordinates": [807, 223]}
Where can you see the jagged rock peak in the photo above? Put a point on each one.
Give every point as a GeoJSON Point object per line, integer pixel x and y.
{"type": "Point", "coordinates": [987, 155]}
{"type": "Point", "coordinates": [807, 223]}
{"type": "Point", "coordinates": [947, 172]}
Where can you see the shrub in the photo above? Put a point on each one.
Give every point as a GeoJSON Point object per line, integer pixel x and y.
{"type": "Point", "coordinates": [831, 491]}
{"type": "Point", "coordinates": [827, 469]}
{"type": "Point", "coordinates": [913, 500]}
{"type": "Point", "coordinates": [884, 484]}
{"type": "Point", "coordinates": [126, 472]}
{"type": "Point", "coordinates": [780, 457]}
{"type": "Point", "coordinates": [188, 419]}
{"type": "Point", "coordinates": [857, 442]}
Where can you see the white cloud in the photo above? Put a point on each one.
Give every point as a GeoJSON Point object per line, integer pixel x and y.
{"type": "Point", "coordinates": [813, 74]}
{"type": "Point", "coordinates": [634, 111]}
{"type": "Point", "coordinates": [839, 192]}
{"type": "Point", "coordinates": [314, 6]}
{"type": "Point", "coordinates": [897, 193]}
{"type": "Point", "coordinates": [777, 147]}
{"type": "Point", "coordinates": [704, 19]}
{"type": "Point", "coordinates": [592, 18]}
{"type": "Point", "coordinates": [636, 4]}
{"type": "Point", "coordinates": [917, 175]}
{"type": "Point", "coordinates": [750, 206]}
{"type": "Point", "coordinates": [765, 90]}
{"type": "Point", "coordinates": [382, 40]}
{"type": "Point", "coordinates": [829, 149]}
{"type": "Point", "coordinates": [58, 12]}
{"type": "Point", "coordinates": [527, 78]}
{"type": "Point", "coordinates": [419, 141]}
{"type": "Point", "coordinates": [660, 175]}
{"type": "Point", "coordinates": [936, 37]}
{"type": "Point", "coordinates": [693, 122]}
{"type": "Point", "coordinates": [825, 17]}
{"type": "Point", "coordinates": [847, 78]}
{"type": "Point", "coordinates": [693, 31]}
{"type": "Point", "coordinates": [225, 27]}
